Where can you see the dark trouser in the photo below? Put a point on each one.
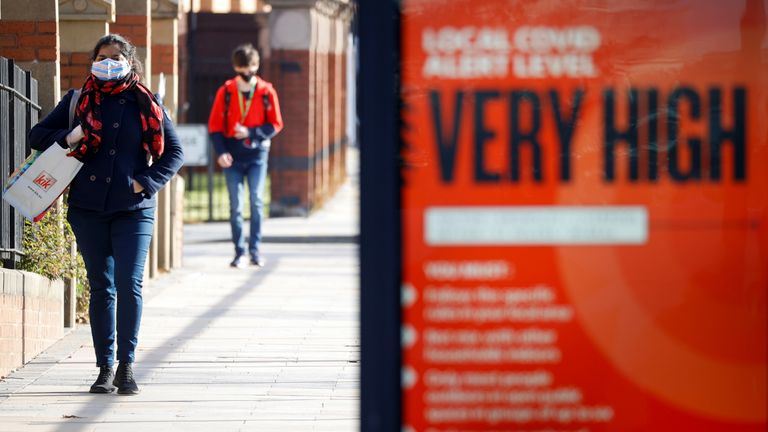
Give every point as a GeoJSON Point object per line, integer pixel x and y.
{"type": "Point", "coordinates": [114, 246]}
{"type": "Point", "coordinates": [255, 173]}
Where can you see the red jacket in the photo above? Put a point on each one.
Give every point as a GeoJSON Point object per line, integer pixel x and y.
{"type": "Point", "coordinates": [262, 125]}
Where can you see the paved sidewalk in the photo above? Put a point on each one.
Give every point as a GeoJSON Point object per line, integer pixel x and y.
{"type": "Point", "coordinates": [223, 349]}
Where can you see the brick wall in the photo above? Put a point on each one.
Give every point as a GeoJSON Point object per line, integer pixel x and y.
{"type": "Point", "coordinates": [162, 59]}
{"type": "Point", "coordinates": [293, 149]}
{"type": "Point", "coordinates": [328, 120]}
{"type": "Point", "coordinates": [137, 28]}
{"type": "Point", "coordinates": [28, 40]}
{"type": "Point", "coordinates": [11, 321]}
{"type": "Point", "coordinates": [309, 71]}
{"type": "Point", "coordinates": [132, 27]}
{"type": "Point", "coordinates": [307, 157]}
{"type": "Point", "coordinates": [31, 316]}
{"type": "Point", "coordinates": [75, 68]}
{"type": "Point", "coordinates": [43, 314]}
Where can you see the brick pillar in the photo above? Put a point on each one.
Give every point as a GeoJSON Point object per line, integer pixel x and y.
{"type": "Point", "coordinates": [218, 6]}
{"type": "Point", "coordinates": [333, 120]}
{"type": "Point", "coordinates": [338, 107]}
{"type": "Point", "coordinates": [247, 6]}
{"type": "Point", "coordinates": [29, 35]}
{"type": "Point", "coordinates": [81, 25]}
{"type": "Point", "coordinates": [322, 114]}
{"type": "Point", "coordinates": [206, 6]}
{"type": "Point", "coordinates": [165, 50]}
{"type": "Point", "coordinates": [177, 221]}
{"type": "Point", "coordinates": [165, 58]}
{"type": "Point", "coordinates": [345, 103]}
{"type": "Point", "coordinates": [135, 23]}
{"type": "Point", "coordinates": [303, 69]}
{"type": "Point", "coordinates": [342, 102]}
{"type": "Point", "coordinates": [182, 107]}
{"type": "Point", "coordinates": [291, 70]}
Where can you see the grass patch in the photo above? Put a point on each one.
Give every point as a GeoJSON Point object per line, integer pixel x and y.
{"type": "Point", "coordinates": [197, 201]}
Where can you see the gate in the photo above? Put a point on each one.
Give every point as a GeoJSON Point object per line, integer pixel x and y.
{"type": "Point", "coordinates": [19, 111]}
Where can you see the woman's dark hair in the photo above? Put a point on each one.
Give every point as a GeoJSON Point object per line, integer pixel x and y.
{"type": "Point", "coordinates": [126, 49]}
{"type": "Point", "coordinates": [244, 55]}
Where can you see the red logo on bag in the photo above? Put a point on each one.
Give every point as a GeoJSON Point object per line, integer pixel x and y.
{"type": "Point", "coordinates": [44, 180]}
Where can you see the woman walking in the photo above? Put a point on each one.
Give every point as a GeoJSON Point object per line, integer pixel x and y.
{"type": "Point", "coordinates": [119, 128]}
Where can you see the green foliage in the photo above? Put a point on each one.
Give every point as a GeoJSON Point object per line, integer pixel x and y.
{"type": "Point", "coordinates": [196, 198]}
{"type": "Point", "coordinates": [48, 247]}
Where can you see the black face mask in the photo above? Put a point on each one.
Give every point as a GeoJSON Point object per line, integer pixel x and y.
{"type": "Point", "coordinates": [245, 76]}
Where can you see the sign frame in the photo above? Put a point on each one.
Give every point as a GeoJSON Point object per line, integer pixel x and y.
{"type": "Point", "coordinates": [197, 155]}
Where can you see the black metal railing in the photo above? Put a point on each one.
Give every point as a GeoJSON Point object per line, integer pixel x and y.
{"type": "Point", "coordinates": [19, 111]}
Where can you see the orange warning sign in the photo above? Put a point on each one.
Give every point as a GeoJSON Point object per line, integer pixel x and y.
{"type": "Point", "coordinates": [584, 211]}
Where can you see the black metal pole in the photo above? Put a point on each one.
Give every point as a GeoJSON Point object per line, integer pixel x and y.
{"type": "Point", "coordinates": [377, 107]}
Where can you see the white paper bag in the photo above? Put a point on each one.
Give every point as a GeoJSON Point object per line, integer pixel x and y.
{"type": "Point", "coordinates": [39, 181]}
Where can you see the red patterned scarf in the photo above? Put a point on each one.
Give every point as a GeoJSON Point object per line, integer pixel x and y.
{"type": "Point", "coordinates": [88, 111]}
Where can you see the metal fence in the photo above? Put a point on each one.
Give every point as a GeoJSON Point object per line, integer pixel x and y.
{"type": "Point", "coordinates": [205, 193]}
{"type": "Point", "coordinates": [206, 198]}
{"type": "Point", "coordinates": [19, 111]}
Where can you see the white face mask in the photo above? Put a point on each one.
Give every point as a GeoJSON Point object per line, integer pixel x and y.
{"type": "Point", "coordinates": [109, 70]}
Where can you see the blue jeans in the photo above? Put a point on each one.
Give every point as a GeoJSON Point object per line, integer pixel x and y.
{"type": "Point", "coordinates": [254, 172]}
{"type": "Point", "coordinates": [114, 246]}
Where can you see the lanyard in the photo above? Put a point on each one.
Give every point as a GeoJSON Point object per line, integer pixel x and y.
{"type": "Point", "coordinates": [244, 109]}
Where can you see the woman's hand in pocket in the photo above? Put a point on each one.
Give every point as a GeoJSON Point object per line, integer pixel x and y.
{"type": "Point", "coordinates": [137, 187]}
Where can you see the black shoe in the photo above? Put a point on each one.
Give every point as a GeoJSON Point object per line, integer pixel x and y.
{"type": "Point", "coordinates": [256, 261]}
{"type": "Point", "coordinates": [238, 262]}
{"type": "Point", "coordinates": [124, 379]}
{"type": "Point", "coordinates": [103, 383]}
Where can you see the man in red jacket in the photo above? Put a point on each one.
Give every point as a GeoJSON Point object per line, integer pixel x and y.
{"type": "Point", "coordinates": [244, 118]}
